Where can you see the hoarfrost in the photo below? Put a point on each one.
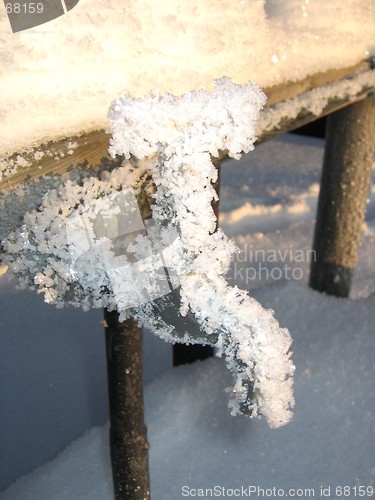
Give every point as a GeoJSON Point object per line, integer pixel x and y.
{"type": "Point", "coordinates": [314, 101]}
{"type": "Point", "coordinates": [9, 166]}
{"type": "Point", "coordinates": [184, 133]}
{"type": "Point", "coordinates": [170, 276]}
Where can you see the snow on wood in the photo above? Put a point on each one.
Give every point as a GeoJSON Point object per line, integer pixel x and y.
{"type": "Point", "coordinates": [58, 79]}
{"type": "Point", "coordinates": [288, 106]}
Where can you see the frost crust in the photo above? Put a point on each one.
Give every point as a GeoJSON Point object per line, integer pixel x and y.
{"type": "Point", "coordinates": [184, 271]}
{"type": "Point", "coordinates": [184, 134]}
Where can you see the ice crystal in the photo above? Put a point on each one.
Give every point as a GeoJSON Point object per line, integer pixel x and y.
{"type": "Point", "coordinates": [184, 133]}
{"type": "Point", "coordinates": [85, 243]}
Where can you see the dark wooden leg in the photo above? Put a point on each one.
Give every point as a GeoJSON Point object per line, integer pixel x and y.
{"type": "Point", "coordinates": [128, 436]}
{"type": "Point", "coordinates": [350, 145]}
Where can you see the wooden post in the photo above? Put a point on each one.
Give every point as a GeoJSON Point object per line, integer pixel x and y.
{"type": "Point", "coordinates": [350, 145]}
{"type": "Point", "coordinates": [128, 438]}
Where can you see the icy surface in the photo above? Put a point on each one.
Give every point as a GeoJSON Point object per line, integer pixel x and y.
{"type": "Point", "coordinates": [104, 48]}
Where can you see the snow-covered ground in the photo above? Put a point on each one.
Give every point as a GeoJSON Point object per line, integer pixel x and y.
{"type": "Point", "coordinates": [53, 371]}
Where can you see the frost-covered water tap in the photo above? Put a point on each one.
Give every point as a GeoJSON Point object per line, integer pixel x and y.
{"type": "Point", "coordinates": [70, 247]}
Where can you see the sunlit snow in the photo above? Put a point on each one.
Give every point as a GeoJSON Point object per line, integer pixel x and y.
{"type": "Point", "coordinates": [139, 45]}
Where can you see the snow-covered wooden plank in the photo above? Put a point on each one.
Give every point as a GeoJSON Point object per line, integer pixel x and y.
{"type": "Point", "coordinates": [289, 106]}
{"type": "Point", "coordinates": [299, 103]}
